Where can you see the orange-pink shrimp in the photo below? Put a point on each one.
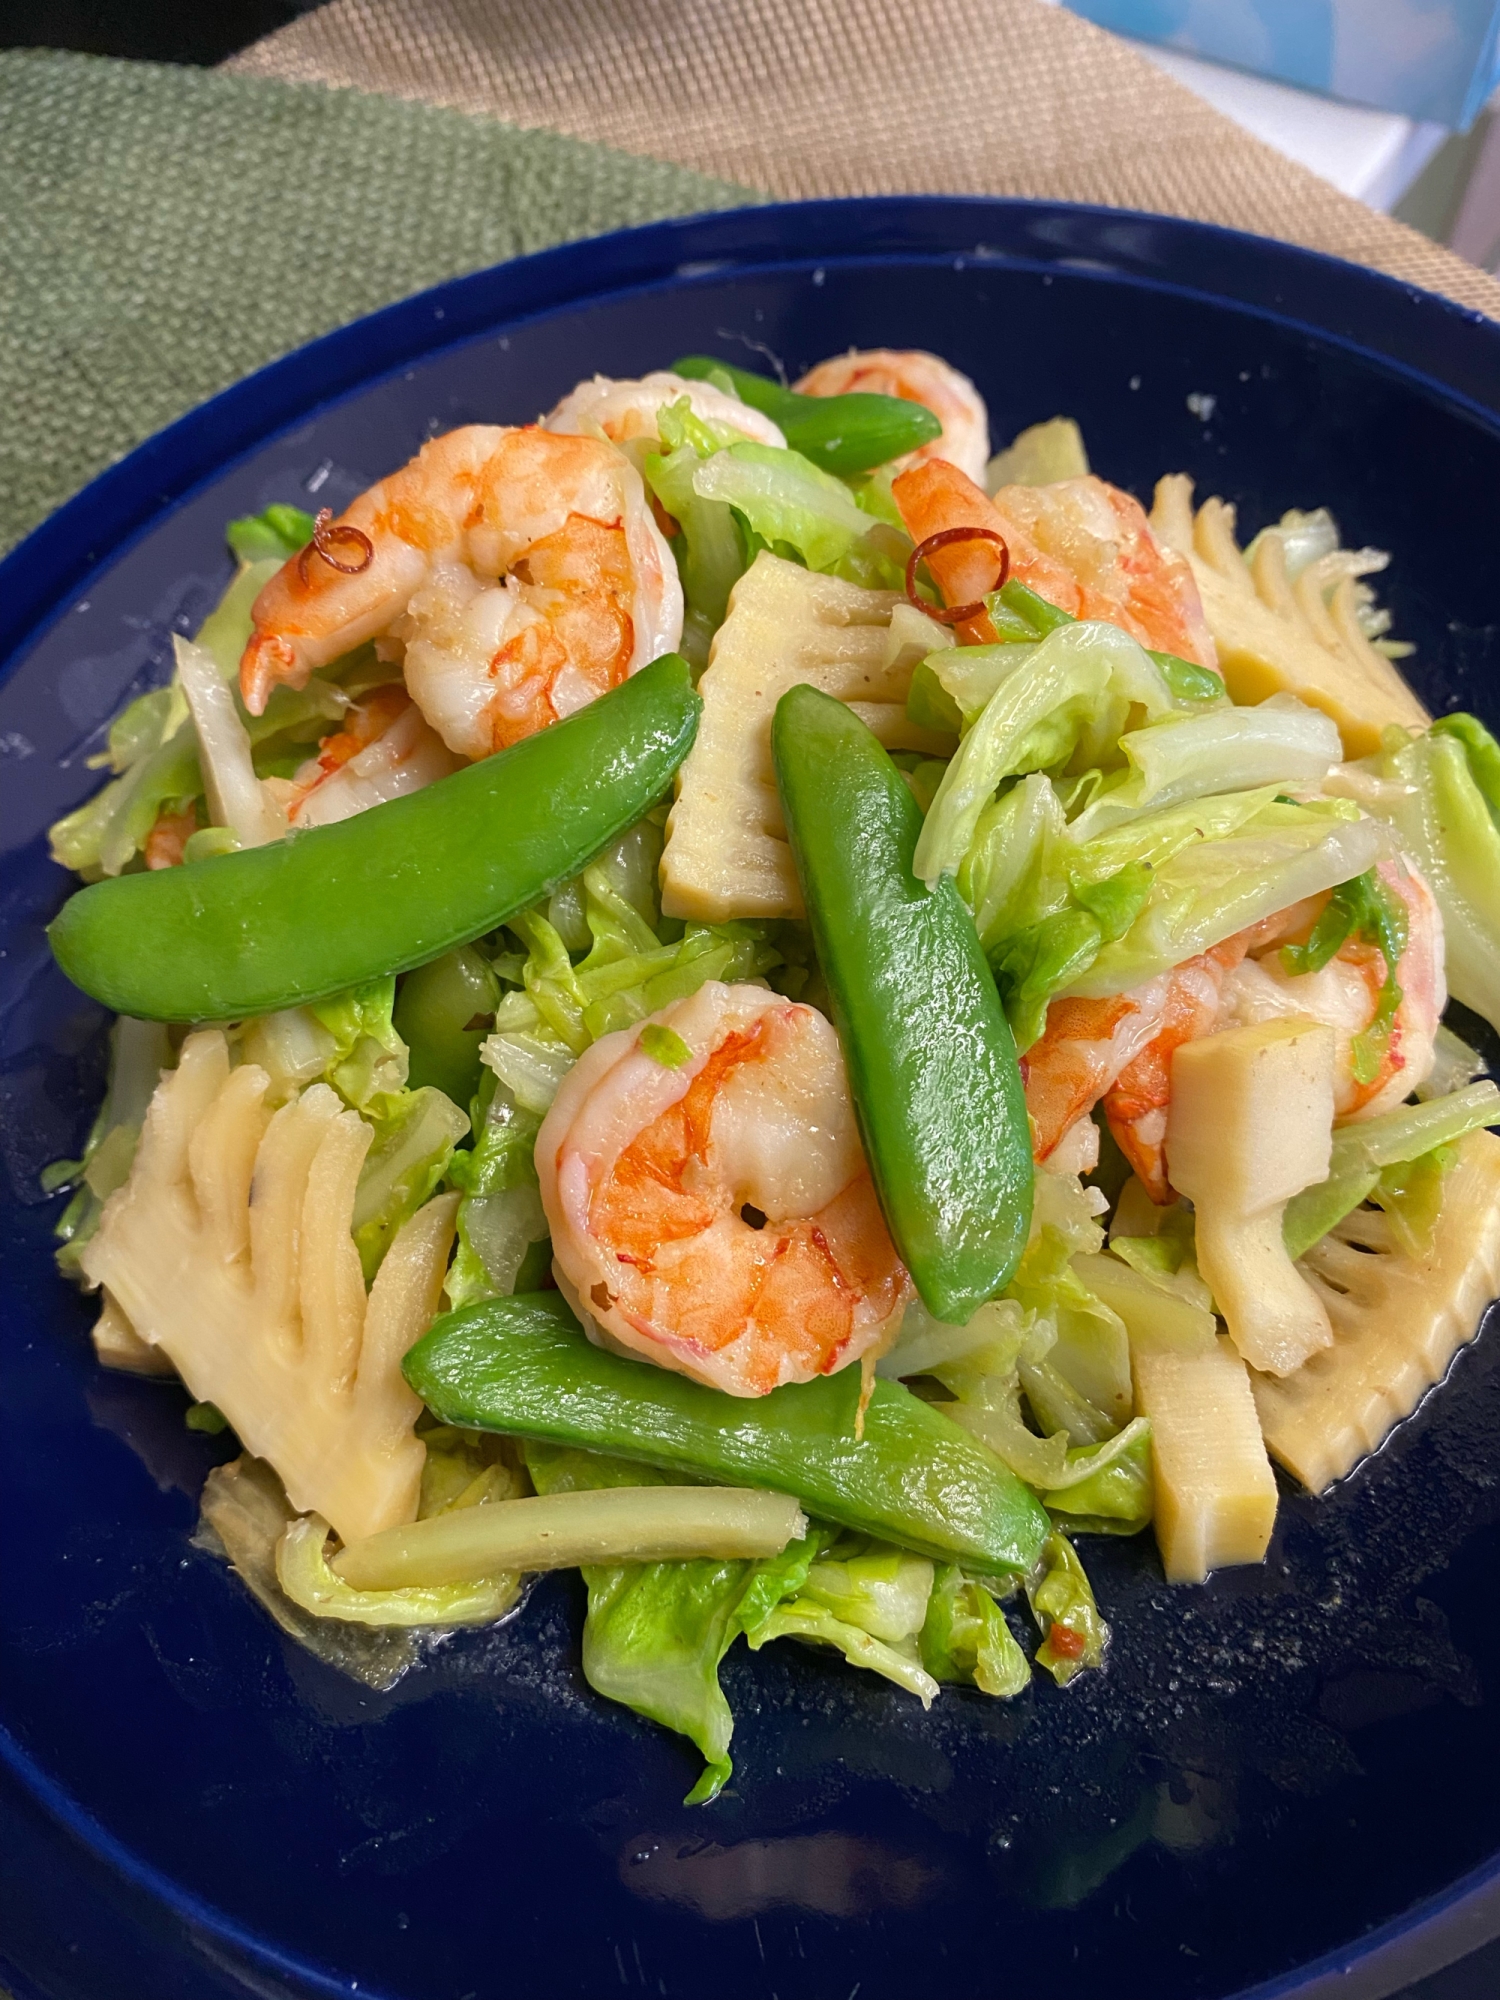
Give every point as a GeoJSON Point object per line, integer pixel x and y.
{"type": "Point", "coordinates": [563, 581]}
{"type": "Point", "coordinates": [717, 1216]}
{"type": "Point", "coordinates": [1083, 545]}
{"type": "Point", "coordinates": [1346, 993]}
{"type": "Point", "coordinates": [917, 378]}
{"type": "Point", "coordinates": [1117, 1052]}
{"type": "Point", "coordinates": [384, 750]}
{"type": "Point", "coordinates": [624, 411]}
{"type": "Point", "coordinates": [169, 836]}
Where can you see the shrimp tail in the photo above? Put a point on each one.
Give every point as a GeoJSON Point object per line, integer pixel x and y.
{"type": "Point", "coordinates": [269, 662]}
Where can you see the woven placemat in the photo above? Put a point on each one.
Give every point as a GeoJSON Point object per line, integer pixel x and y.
{"type": "Point", "coordinates": [824, 97]}
{"type": "Point", "coordinates": [164, 231]}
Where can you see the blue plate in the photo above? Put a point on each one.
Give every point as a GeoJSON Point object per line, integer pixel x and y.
{"type": "Point", "coordinates": [1290, 1771]}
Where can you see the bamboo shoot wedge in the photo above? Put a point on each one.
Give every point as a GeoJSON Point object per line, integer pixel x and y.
{"type": "Point", "coordinates": [562, 1530]}
{"type": "Point", "coordinates": [1398, 1320]}
{"type": "Point", "coordinates": [1280, 633]}
{"type": "Point", "coordinates": [1215, 1492]}
{"type": "Point", "coordinates": [726, 853]}
{"type": "Point", "coordinates": [1250, 1125]}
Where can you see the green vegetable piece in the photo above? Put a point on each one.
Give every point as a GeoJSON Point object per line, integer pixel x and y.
{"type": "Point", "coordinates": [319, 911]}
{"type": "Point", "coordinates": [932, 1064]}
{"type": "Point", "coordinates": [664, 1046]}
{"type": "Point", "coordinates": [1187, 680]}
{"type": "Point", "coordinates": [1367, 1156]}
{"type": "Point", "coordinates": [656, 1632]}
{"type": "Point", "coordinates": [206, 1417]}
{"type": "Point", "coordinates": [1365, 908]}
{"type": "Point", "coordinates": [443, 1013]}
{"type": "Point", "coordinates": [843, 434]}
{"type": "Point", "coordinates": [928, 702]}
{"type": "Point", "coordinates": [1019, 614]}
{"type": "Point", "coordinates": [1116, 1500]}
{"type": "Point", "coordinates": [1448, 827]}
{"type": "Point", "coordinates": [1036, 963]}
{"type": "Point", "coordinates": [522, 1365]}
{"type": "Point", "coordinates": [812, 1622]}
{"type": "Point", "coordinates": [967, 1638]}
{"type": "Point", "coordinates": [279, 532]}
{"type": "Point", "coordinates": [1482, 752]}
{"type": "Point", "coordinates": [1062, 1602]}
{"type": "Point", "coordinates": [1118, 900]}
{"type": "Point", "coordinates": [1309, 1216]}
{"type": "Point", "coordinates": [653, 1640]}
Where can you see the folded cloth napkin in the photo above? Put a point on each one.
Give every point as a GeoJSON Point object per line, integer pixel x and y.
{"type": "Point", "coordinates": [828, 97]}
{"type": "Point", "coordinates": [165, 231]}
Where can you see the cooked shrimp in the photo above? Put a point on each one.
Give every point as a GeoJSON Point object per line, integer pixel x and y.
{"type": "Point", "coordinates": [916, 378]}
{"type": "Point", "coordinates": [718, 1217]}
{"type": "Point", "coordinates": [1346, 993]}
{"type": "Point", "coordinates": [626, 410]}
{"type": "Point", "coordinates": [1117, 1052]}
{"type": "Point", "coordinates": [1191, 1004]}
{"type": "Point", "coordinates": [1083, 545]}
{"type": "Point", "coordinates": [385, 749]}
{"type": "Point", "coordinates": [590, 589]}
{"type": "Point", "coordinates": [169, 836]}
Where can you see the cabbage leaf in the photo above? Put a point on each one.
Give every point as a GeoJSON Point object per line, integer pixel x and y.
{"type": "Point", "coordinates": [966, 1637]}
{"type": "Point", "coordinates": [1447, 824]}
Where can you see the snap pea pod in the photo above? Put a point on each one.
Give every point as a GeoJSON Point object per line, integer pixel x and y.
{"type": "Point", "coordinates": [843, 434]}
{"type": "Point", "coordinates": [522, 1365]}
{"type": "Point", "coordinates": [932, 1063]}
{"type": "Point", "coordinates": [319, 911]}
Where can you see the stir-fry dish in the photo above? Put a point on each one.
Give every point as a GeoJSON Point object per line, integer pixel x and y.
{"type": "Point", "coordinates": [731, 991]}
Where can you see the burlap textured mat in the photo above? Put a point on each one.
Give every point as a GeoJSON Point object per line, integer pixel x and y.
{"type": "Point", "coordinates": [832, 97]}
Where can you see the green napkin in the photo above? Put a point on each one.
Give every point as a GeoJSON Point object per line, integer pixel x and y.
{"type": "Point", "coordinates": [164, 231]}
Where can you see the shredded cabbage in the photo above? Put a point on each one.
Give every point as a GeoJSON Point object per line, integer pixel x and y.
{"type": "Point", "coordinates": [308, 1580]}
{"type": "Point", "coordinates": [154, 747]}
{"type": "Point", "coordinates": [1065, 699]}
{"type": "Point", "coordinates": [1050, 1346]}
{"type": "Point", "coordinates": [967, 1638]}
{"type": "Point", "coordinates": [729, 497]}
{"type": "Point", "coordinates": [1211, 889]}
{"type": "Point", "coordinates": [155, 750]}
{"type": "Point", "coordinates": [656, 1632]}
{"type": "Point", "coordinates": [1366, 1153]}
{"type": "Point", "coordinates": [627, 974]}
{"type": "Point", "coordinates": [139, 1052]}
{"type": "Point", "coordinates": [1225, 750]}
{"type": "Point", "coordinates": [1447, 824]}
{"type": "Point", "coordinates": [1062, 1602]}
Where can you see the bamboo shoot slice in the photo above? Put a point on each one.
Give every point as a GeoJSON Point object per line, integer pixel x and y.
{"type": "Point", "coordinates": [1250, 1125]}
{"type": "Point", "coordinates": [1156, 1312]}
{"type": "Point", "coordinates": [562, 1530]}
{"type": "Point", "coordinates": [1215, 1490]}
{"type": "Point", "coordinates": [1270, 638]}
{"type": "Point", "coordinates": [726, 854]}
{"type": "Point", "coordinates": [1397, 1322]}
{"type": "Point", "coordinates": [118, 1345]}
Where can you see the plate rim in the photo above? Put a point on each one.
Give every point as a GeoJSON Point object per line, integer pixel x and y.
{"type": "Point", "coordinates": [1447, 349]}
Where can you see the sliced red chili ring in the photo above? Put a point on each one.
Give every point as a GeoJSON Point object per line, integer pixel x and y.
{"type": "Point", "coordinates": [944, 538]}
{"type": "Point", "coordinates": [327, 534]}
